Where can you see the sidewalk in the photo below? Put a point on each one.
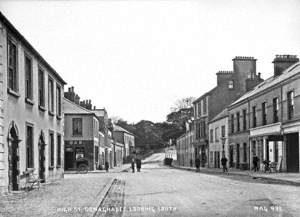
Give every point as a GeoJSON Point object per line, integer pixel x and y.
{"type": "Point", "coordinates": [281, 178]}
{"type": "Point", "coordinates": [111, 170]}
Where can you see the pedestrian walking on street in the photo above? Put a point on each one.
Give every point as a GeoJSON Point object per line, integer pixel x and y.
{"type": "Point", "coordinates": [132, 165]}
{"type": "Point", "coordinates": [197, 164]}
{"type": "Point", "coordinates": [138, 164]}
{"type": "Point", "coordinates": [255, 163]}
{"type": "Point", "coordinates": [224, 164]}
{"type": "Point", "coordinates": [106, 166]}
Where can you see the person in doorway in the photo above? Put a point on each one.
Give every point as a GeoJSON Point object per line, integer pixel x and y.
{"type": "Point", "coordinates": [224, 164]}
{"type": "Point", "coordinates": [106, 166]}
{"type": "Point", "coordinates": [255, 163]}
{"type": "Point", "coordinates": [197, 164]}
{"type": "Point", "coordinates": [138, 164]}
{"type": "Point", "coordinates": [133, 165]}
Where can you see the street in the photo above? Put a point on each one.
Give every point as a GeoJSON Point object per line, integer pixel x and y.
{"type": "Point", "coordinates": [156, 191]}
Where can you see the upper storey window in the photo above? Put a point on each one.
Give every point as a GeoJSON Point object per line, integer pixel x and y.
{"type": "Point", "coordinates": [290, 104]}
{"type": "Point", "coordinates": [230, 84]}
{"type": "Point", "coordinates": [12, 65]}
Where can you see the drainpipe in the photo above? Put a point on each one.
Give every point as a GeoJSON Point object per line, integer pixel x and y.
{"type": "Point", "coordinates": [250, 149]}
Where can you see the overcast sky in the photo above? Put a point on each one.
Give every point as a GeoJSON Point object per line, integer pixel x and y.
{"type": "Point", "coordinates": [136, 58]}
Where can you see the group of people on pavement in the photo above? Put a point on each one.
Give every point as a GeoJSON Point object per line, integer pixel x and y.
{"type": "Point", "coordinates": [138, 163]}
{"type": "Point", "coordinates": [134, 162]}
{"type": "Point", "coordinates": [223, 162]}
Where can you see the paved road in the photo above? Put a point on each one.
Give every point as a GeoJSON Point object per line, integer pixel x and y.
{"type": "Point", "coordinates": [156, 191]}
{"type": "Point", "coordinates": [161, 191]}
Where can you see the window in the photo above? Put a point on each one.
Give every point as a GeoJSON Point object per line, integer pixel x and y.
{"type": "Point", "coordinates": [211, 134]}
{"type": "Point", "coordinates": [58, 100]}
{"type": "Point", "coordinates": [244, 119]}
{"type": "Point", "coordinates": [41, 78]}
{"type": "Point", "coordinates": [217, 134]}
{"type": "Point", "coordinates": [77, 126]}
{"type": "Point", "coordinates": [202, 129]}
{"type": "Point", "coordinates": [204, 105]}
{"type": "Point", "coordinates": [223, 131]}
{"type": "Point", "coordinates": [28, 78]}
{"type": "Point", "coordinates": [264, 113]}
{"type": "Point", "coordinates": [12, 65]}
{"type": "Point", "coordinates": [29, 146]}
{"type": "Point", "coordinates": [290, 104]}
{"type": "Point", "coordinates": [254, 116]}
{"type": "Point", "coordinates": [58, 150]}
{"type": "Point", "coordinates": [50, 95]}
{"type": "Point", "coordinates": [51, 149]}
{"type": "Point", "coordinates": [199, 109]}
{"type": "Point", "coordinates": [245, 152]}
{"type": "Point", "coordinates": [275, 110]}
{"type": "Point", "coordinates": [230, 84]}
{"type": "Point", "coordinates": [237, 121]}
{"type": "Point", "coordinates": [232, 123]}
{"type": "Point", "coordinates": [79, 152]}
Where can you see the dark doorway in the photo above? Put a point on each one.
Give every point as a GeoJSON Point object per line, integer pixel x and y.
{"type": "Point", "coordinates": [237, 155]}
{"type": "Point", "coordinates": [13, 160]}
{"type": "Point", "coordinates": [69, 158]}
{"type": "Point", "coordinates": [42, 158]}
{"type": "Point", "coordinates": [292, 152]}
{"type": "Point", "coordinates": [231, 156]}
{"type": "Point", "coordinates": [267, 151]}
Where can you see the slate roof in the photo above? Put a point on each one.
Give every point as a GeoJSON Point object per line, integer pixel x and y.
{"type": "Point", "coordinates": [270, 82]}
{"type": "Point", "coordinates": [221, 115]}
{"type": "Point", "coordinates": [120, 129]}
{"type": "Point", "coordinates": [72, 108]}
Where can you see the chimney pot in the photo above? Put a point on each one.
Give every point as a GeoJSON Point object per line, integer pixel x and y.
{"type": "Point", "coordinates": [282, 62]}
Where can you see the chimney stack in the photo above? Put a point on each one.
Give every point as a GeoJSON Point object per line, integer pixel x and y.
{"type": "Point", "coordinates": [282, 62]}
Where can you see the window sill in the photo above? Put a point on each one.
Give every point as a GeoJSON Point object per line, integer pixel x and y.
{"type": "Point", "coordinates": [51, 113]}
{"type": "Point", "coordinates": [59, 117]}
{"type": "Point", "coordinates": [58, 167]}
{"type": "Point", "coordinates": [42, 108]}
{"type": "Point", "coordinates": [29, 101]}
{"type": "Point", "coordinates": [51, 167]}
{"type": "Point", "coordinates": [13, 93]}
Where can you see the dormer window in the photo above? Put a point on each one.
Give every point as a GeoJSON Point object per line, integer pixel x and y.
{"type": "Point", "coordinates": [230, 84]}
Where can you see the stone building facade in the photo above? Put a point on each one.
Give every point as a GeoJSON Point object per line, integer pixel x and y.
{"type": "Point", "coordinates": [185, 149]}
{"type": "Point", "coordinates": [218, 139]}
{"type": "Point", "coordinates": [271, 113]}
{"type": "Point", "coordinates": [230, 86]}
{"type": "Point", "coordinates": [31, 114]}
{"type": "Point", "coordinates": [81, 136]}
{"type": "Point", "coordinates": [126, 138]}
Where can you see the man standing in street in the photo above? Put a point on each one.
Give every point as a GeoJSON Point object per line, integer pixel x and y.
{"type": "Point", "coordinates": [255, 163]}
{"type": "Point", "coordinates": [197, 164]}
{"type": "Point", "coordinates": [224, 163]}
{"type": "Point", "coordinates": [138, 164]}
{"type": "Point", "coordinates": [133, 165]}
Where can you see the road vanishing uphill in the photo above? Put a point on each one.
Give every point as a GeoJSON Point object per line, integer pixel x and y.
{"type": "Point", "coordinates": [158, 191]}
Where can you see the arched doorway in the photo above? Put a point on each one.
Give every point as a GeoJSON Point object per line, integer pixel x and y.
{"type": "Point", "coordinates": [42, 157]}
{"type": "Point", "coordinates": [13, 157]}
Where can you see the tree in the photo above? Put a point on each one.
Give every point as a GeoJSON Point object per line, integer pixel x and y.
{"type": "Point", "coordinates": [183, 103]}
